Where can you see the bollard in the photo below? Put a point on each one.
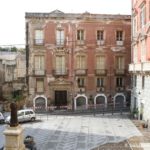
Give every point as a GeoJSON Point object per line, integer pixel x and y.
{"type": "Point", "coordinates": [30, 143]}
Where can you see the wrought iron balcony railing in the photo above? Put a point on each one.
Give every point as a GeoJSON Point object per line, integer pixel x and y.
{"type": "Point", "coordinates": [60, 72]}
{"type": "Point", "coordinates": [100, 71]}
{"type": "Point", "coordinates": [80, 71]}
{"type": "Point", "coordinates": [119, 71]}
{"type": "Point", "coordinates": [39, 72]}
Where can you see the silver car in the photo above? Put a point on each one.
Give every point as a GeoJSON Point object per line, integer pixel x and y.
{"type": "Point", "coordinates": [24, 115]}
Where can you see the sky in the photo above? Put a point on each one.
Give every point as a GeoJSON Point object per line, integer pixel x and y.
{"type": "Point", "coordinates": [12, 14]}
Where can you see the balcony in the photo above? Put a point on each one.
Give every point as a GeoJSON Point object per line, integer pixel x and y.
{"type": "Point", "coordinates": [119, 43]}
{"type": "Point", "coordinates": [119, 71]}
{"type": "Point", "coordinates": [38, 42]}
{"type": "Point", "coordinates": [39, 72]}
{"type": "Point", "coordinates": [81, 72]}
{"type": "Point", "coordinates": [138, 67]}
{"type": "Point", "coordinates": [131, 67]}
{"type": "Point", "coordinates": [146, 66]}
{"type": "Point", "coordinates": [100, 72]}
{"type": "Point", "coordinates": [60, 72]}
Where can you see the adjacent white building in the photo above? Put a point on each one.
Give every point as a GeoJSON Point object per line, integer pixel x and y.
{"type": "Point", "coordinates": [140, 66]}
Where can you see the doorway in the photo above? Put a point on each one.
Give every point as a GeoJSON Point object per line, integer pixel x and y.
{"type": "Point", "coordinates": [60, 98]}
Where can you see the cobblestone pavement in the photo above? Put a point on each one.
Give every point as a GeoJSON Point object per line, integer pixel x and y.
{"type": "Point", "coordinates": [140, 142]}
{"type": "Point", "coordinates": [124, 145]}
{"type": "Point", "coordinates": [80, 132]}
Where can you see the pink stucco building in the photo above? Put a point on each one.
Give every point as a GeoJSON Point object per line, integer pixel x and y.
{"type": "Point", "coordinates": [140, 58]}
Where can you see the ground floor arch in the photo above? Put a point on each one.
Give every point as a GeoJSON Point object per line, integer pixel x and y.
{"type": "Point", "coordinates": [100, 99]}
{"type": "Point", "coordinates": [79, 101]}
{"type": "Point", "coordinates": [40, 102]}
{"type": "Point", "coordinates": [119, 100]}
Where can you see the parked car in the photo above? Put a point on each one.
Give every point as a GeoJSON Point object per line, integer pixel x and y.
{"type": "Point", "coordinates": [23, 115]}
{"type": "Point", "coordinates": [2, 120]}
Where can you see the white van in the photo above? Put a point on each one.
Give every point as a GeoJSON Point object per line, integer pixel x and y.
{"type": "Point", "coordinates": [24, 115]}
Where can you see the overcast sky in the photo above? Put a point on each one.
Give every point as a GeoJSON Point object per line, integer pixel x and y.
{"type": "Point", "coordinates": [12, 13]}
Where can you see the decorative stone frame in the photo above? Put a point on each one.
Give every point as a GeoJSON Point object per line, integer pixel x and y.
{"type": "Point", "coordinates": [120, 94]}
{"type": "Point", "coordinates": [103, 95]}
{"type": "Point", "coordinates": [38, 96]}
{"type": "Point", "coordinates": [75, 100]}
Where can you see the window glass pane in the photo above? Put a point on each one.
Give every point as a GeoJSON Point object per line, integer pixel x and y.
{"type": "Point", "coordinates": [100, 62]}
{"type": "Point", "coordinates": [39, 62]}
{"type": "Point", "coordinates": [81, 62]}
{"type": "Point", "coordinates": [120, 62]}
{"type": "Point", "coordinates": [100, 35]}
{"type": "Point", "coordinates": [119, 36]}
{"type": "Point", "coordinates": [80, 35]}
{"type": "Point", "coordinates": [39, 36]}
{"type": "Point", "coordinates": [60, 64]}
{"type": "Point", "coordinates": [60, 37]}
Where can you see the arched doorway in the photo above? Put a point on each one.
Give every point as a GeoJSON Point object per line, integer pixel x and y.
{"type": "Point", "coordinates": [100, 101]}
{"type": "Point", "coordinates": [119, 100]}
{"type": "Point", "coordinates": [40, 103]}
{"type": "Point", "coordinates": [80, 102]}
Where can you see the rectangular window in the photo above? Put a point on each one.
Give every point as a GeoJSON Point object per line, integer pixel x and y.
{"type": "Point", "coordinates": [60, 64]}
{"type": "Point", "coordinates": [120, 62]}
{"type": "Point", "coordinates": [80, 82]}
{"type": "Point", "coordinates": [100, 35]}
{"type": "Point", "coordinates": [134, 25]}
{"type": "Point", "coordinates": [81, 63]}
{"type": "Point", "coordinates": [119, 82]}
{"type": "Point", "coordinates": [100, 62]}
{"type": "Point", "coordinates": [80, 35]}
{"type": "Point", "coordinates": [60, 37]}
{"type": "Point", "coordinates": [119, 35]}
{"type": "Point", "coordinates": [135, 81]}
{"type": "Point", "coordinates": [39, 62]}
{"type": "Point", "coordinates": [39, 37]}
{"type": "Point", "coordinates": [40, 85]}
{"type": "Point", "coordinates": [143, 82]}
{"type": "Point", "coordinates": [143, 51]}
{"type": "Point", "coordinates": [135, 54]}
{"type": "Point", "coordinates": [100, 82]}
{"type": "Point", "coordinates": [143, 16]}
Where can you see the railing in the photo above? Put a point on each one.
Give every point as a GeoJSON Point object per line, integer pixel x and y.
{"type": "Point", "coordinates": [100, 71]}
{"type": "Point", "coordinates": [80, 71]}
{"type": "Point", "coordinates": [60, 72]}
{"type": "Point", "coordinates": [120, 71]}
{"type": "Point", "coordinates": [39, 42]}
{"type": "Point", "coordinates": [90, 109]}
{"type": "Point", "coordinates": [39, 72]}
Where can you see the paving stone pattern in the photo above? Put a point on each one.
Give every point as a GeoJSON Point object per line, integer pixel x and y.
{"type": "Point", "coordinates": [79, 132]}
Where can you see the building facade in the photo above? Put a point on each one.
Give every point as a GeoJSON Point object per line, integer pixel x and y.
{"type": "Point", "coordinates": [140, 62]}
{"type": "Point", "coordinates": [13, 74]}
{"type": "Point", "coordinates": [77, 60]}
